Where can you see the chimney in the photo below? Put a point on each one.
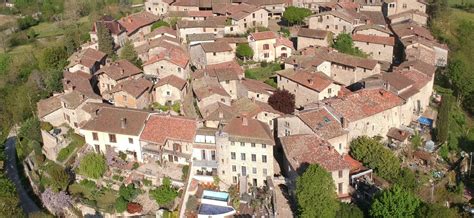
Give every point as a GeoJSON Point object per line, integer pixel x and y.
{"type": "Point", "coordinates": [123, 123]}
{"type": "Point", "coordinates": [310, 81]}
{"type": "Point", "coordinates": [245, 122]}
{"type": "Point", "coordinates": [96, 111]}
{"type": "Point", "coordinates": [343, 122]}
{"type": "Point", "coordinates": [83, 97]}
{"type": "Point", "coordinates": [122, 71]}
{"type": "Point", "coordinates": [73, 88]}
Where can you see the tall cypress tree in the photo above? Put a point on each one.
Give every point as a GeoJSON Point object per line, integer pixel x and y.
{"type": "Point", "coordinates": [128, 53]}
{"type": "Point", "coordinates": [106, 42]}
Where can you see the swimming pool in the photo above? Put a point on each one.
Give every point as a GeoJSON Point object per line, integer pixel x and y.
{"type": "Point", "coordinates": [213, 195]}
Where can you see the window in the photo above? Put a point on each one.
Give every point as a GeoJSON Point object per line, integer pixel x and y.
{"type": "Point", "coordinates": [232, 29]}
{"type": "Point", "coordinates": [168, 93]}
{"type": "Point", "coordinates": [179, 69]}
{"type": "Point", "coordinates": [404, 5]}
{"type": "Point", "coordinates": [254, 170]}
{"type": "Point", "coordinates": [264, 145]}
{"type": "Point", "coordinates": [254, 157]}
{"type": "Point", "coordinates": [213, 53]}
{"type": "Point", "coordinates": [227, 82]}
{"type": "Point", "coordinates": [266, 55]}
{"type": "Point", "coordinates": [329, 91]}
{"type": "Point", "coordinates": [264, 158]}
{"type": "Point", "coordinates": [203, 155]}
{"type": "Point", "coordinates": [232, 143]}
{"type": "Point", "coordinates": [112, 138]}
{"type": "Point", "coordinates": [340, 146]}
{"type": "Point", "coordinates": [340, 173]}
{"type": "Point", "coordinates": [177, 147]}
{"type": "Point", "coordinates": [234, 179]}
{"type": "Point", "coordinates": [130, 140]}
{"type": "Point", "coordinates": [242, 144]}
{"type": "Point", "coordinates": [283, 48]}
{"type": "Point", "coordinates": [162, 67]}
{"type": "Point", "coordinates": [232, 155]}
{"type": "Point", "coordinates": [339, 188]}
{"type": "Point", "coordinates": [213, 155]}
{"type": "Point", "coordinates": [242, 156]}
{"type": "Point", "coordinates": [253, 15]}
{"type": "Point", "coordinates": [252, 145]}
{"type": "Point", "coordinates": [266, 46]}
{"type": "Point", "coordinates": [95, 136]}
{"type": "Point", "coordinates": [336, 27]}
{"type": "Point", "coordinates": [244, 171]}
{"type": "Point", "coordinates": [234, 168]}
{"type": "Point", "coordinates": [264, 170]}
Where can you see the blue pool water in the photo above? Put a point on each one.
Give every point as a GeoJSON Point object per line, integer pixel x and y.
{"type": "Point", "coordinates": [213, 195]}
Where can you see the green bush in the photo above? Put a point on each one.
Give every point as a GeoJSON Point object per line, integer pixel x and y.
{"type": "Point", "coordinates": [65, 152]}
{"type": "Point", "coordinates": [120, 205]}
{"type": "Point", "coordinates": [135, 166]}
{"type": "Point", "coordinates": [158, 24]}
{"type": "Point", "coordinates": [92, 165]}
{"type": "Point", "coordinates": [185, 171]}
{"type": "Point", "coordinates": [147, 182]}
{"type": "Point", "coordinates": [122, 155]}
{"type": "Point", "coordinates": [46, 126]}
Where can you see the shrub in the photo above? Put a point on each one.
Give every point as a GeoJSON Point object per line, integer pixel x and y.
{"type": "Point", "coordinates": [158, 24]}
{"type": "Point", "coordinates": [46, 126]}
{"type": "Point", "coordinates": [122, 155]}
{"type": "Point", "coordinates": [92, 165]}
{"type": "Point", "coordinates": [165, 193]}
{"type": "Point", "coordinates": [120, 205]}
{"type": "Point", "coordinates": [135, 165]}
{"type": "Point", "coordinates": [283, 101]}
{"type": "Point", "coordinates": [185, 171]}
{"type": "Point", "coordinates": [146, 182]}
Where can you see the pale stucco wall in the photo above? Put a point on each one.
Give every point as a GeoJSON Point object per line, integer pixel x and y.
{"type": "Point", "coordinates": [123, 144]}
{"type": "Point", "coordinates": [376, 51]}
{"type": "Point", "coordinates": [259, 52]}
{"type": "Point", "coordinates": [124, 99]}
{"type": "Point", "coordinates": [164, 68]}
{"type": "Point", "coordinates": [304, 42]}
{"type": "Point", "coordinates": [330, 23]}
{"type": "Point", "coordinates": [348, 75]}
{"type": "Point", "coordinates": [165, 93]}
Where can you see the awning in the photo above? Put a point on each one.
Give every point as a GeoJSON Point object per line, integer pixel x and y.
{"type": "Point", "coordinates": [425, 121]}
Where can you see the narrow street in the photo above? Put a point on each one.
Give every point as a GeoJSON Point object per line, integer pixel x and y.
{"type": "Point", "coordinates": [28, 205]}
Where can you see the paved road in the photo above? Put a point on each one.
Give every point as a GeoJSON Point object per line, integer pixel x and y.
{"type": "Point", "coordinates": [27, 203]}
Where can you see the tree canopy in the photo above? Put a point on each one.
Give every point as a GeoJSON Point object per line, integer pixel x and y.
{"type": "Point", "coordinates": [244, 51]}
{"type": "Point", "coordinates": [158, 24]}
{"type": "Point", "coordinates": [394, 202]}
{"type": "Point", "coordinates": [343, 43]}
{"type": "Point", "coordinates": [442, 123]}
{"type": "Point", "coordinates": [128, 53]}
{"type": "Point", "coordinates": [349, 211]}
{"type": "Point", "coordinates": [92, 165]}
{"type": "Point", "coordinates": [106, 42]}
{"type": "Point", "coordinates": [282, 100]}
{"type": "Point", "coordinates": [435, 210]}
{"type": "Point", "coordinates": [316, 193]}
{"type": "Point", "coordinates": [165, 193]}
{"type": "Point", "coordinates": [295, 15]}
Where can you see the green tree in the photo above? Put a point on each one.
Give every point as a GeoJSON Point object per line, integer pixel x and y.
{"type": "Point", "coordinates": [9, 202]}
{"type": "Point", "coordinates": [106, 42]}
{"type": "Point", "coordinates": [120, 205]}
{"type": "Point", "coordinates": [53, 57]}
{"type": "Point", "coordinates": [92, 165]}
{"type": "Point", "coordinates": [374, 155]}
{"type": "Point", "coordinates": [128, 192]}
{"type": "Point", "coordinates": [349, 211]}
{"type": "Point", "coordinates": [316, 193]}
{"type": "Point", "coordinates": [159, 24]}
{"type": "Point", "coordinates": [394, 202]}
{"type": "Point", "coordinates": [244, 51]}
{"type": "Point", "coordinates": [407, 179]}
{"type": "Point", "coordinates": [128, 53]}
{"type": "Point", "coordinates": [343, 43]}
{"type": "Point", "coordinates": [435, 211]}
{"type": "Point", "coordinates": [59, 178]}
{"type": "Point", "coordinates": [165, 193]}
{"type": "Point", "coordinates": [295, 15]}
{"type": "Point", "coordinates": [461, 78]}
{"type": "Point", "coordinates": [442, 123]}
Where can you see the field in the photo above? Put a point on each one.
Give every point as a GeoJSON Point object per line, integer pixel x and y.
{"type": "Point", "coordinates": [6, 19]}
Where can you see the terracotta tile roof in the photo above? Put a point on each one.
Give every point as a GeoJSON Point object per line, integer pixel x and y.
{"type": "Point", "coordinates": [201, 37]}
{"type": "Point", "coordinates": [75, 98]}
{"type": "Point", "coordinates": [110, 23]}
{"type": "Point", "coordinates": [161, 31]}
{"type": "Point", "coordinates": [48, 105]}
{"type": "Point", "coordinates": [397, 81]}
{"type": "Point", "coordinates": [356, 166]}
{"type": "Point", "coordinates": [211, 22]}
{"type": "Point", "coordinates": [405, 29]}
{"type": "Point", "coordinates": [312, 33]}
{"type": "Point", "coordinates": [164, 42]}
{"type": "Point", "coordinates": [348, 5]}
{"type": "Point", "coordinates": [373, 17]}
{"type": "Point", "coordinates": [311, 149]}
{"type": "Point", "coordinates": [160, 128]}
{"type": "Point", "coordinates": [232, 40]}
{"type": "Point", "coordinates": [172, 55]}
{"type": "Point", "coordinates": [421, 66]}
{"type": "Point", "coordinates": [257, 86]}
{"type": "Point", "coordinates": [240, 11]}
{"type": "Point", "coordinates": [264, 35]}
{"type": "Point", "coordinates": [223, 112]}
{"type": "Point", "coordinates": [409, 12]}
{"type": "Point", "coordinates": [398, 134]}
{"type": "Point", "coordinates": [79, 81]}
{"type": "Point", "coordinates": [409, 93]}
{"type": "Point", "coordinates": [316, 81]}
{"type": "Point", "coordinates": [172, 80]}
{"type": "Point", "coordinates": [190, 14]}
{"type": "Point", "coordinates": [284, 41]}
{"type": "Point", "coordinates": [265, 2]}
{"type": "Point", "coordinates": [110, 119]}
{"type": "Point", "coordinates": [363, 103]}
{"type": "Point", "coordinates": [372, 26]}
{"type": "Point", "coordinates": [304, 61]}
{"type": "Point", "coordinates": [216, 47]}
{"type": "Point", "coordinates": [322, 122]}
{"type": "Point", "coordinates": [120, 69]}
{"type": "Point", "coordinates": [345, 59]}
{"type": "Point", "coordinates": [87, 57]}
{"type": "Point", "coordinates": [250, 108]}
{"type": "Point", "coordinates": [374, 39]}
{"type": "Point", "coordinates": [420, 79]}
{"type": "Point", "coordinates": [134, 87]}
{"type": "Point", "coordinates": [246, 129]}
{"type": "Point", "coordinates": [223, 71]}
{"type": "Point", "coordinates": [136, 21]}
{"type": "Point", "coordinates": [343, 14]}
{"type": "Point", "coordinates": [206, 87]}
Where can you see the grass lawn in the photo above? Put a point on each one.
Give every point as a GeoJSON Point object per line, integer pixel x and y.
{"type": "Point", "coordinates": [264, 73]}
{"type": "Point", "coordinates": [450, 23]}
{"type": "Point", "coordinates": [47, 29]}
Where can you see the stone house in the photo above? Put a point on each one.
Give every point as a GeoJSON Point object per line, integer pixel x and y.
{"type": "Point", "coordinates": [211, 53]}
{"type": "Point", "coordinates": [245, 149]}
{"type": "Point", "coordinates": [133, 93]}
{"type": "Point", "coordinates": [168, 62]}
{"type": "Point", "coordinates": [169, 90]}
{"type": "Point", "coordinates": [307, 86]}
{"type": "Point", "coordinates": [75, 108]}
{"type": "Point", "coordinates": [117, 31]}
{"type": "Point", "coordinates": [87, 60]}
{"type": "Point", "coordinates": [233, 41]}
{"type": "Point", "coordinates": [228, 74]}
{"type": "Point", "coordinates": [413, 15]}
{"type": "Point", "coordinates": [312, 37]}
{"type": "Point", "coordinates": [190, 15]}
{"type": "Point", "coordinates": [116, 129]}
{"type": "Point", "coordinates": [334, 21]}
{"type": "Point", "coordinates": [214, 25]}
{"type": "Point", "coordinates": [157, 7]}
{"type": "Point", "coordinates": [209, 93]}
{"type": "Point", "coordinates": [302, 150]}
{"type": "Point", "coordinates": [205, 160]}
{"type": "Point", "coordinates": [308, 62]}
{"type": "Point", "coordinates": [50, 110]}
{"type": "Point", "coordinates": [139, 24]}
{"type": "Point", "coordinates": [392, 7]}
{"type": "Point", "coordinates": [275, 8]}
{"type": "Point", "coordinates": [269, 46]}
{"type": "Point", "coordinates": [198, 38]}
{"type": "Point", "coordinates": [108, 76]}
{"type": "Point", "coordinates": [168, 138]}
{"type": "Point", "coordinates": [186, 5]}
{"type": "Point", "coordinates": [256, 110]}
{"type": "Point", "coordinates": [148, 48]}
{"type": "Point", "coordinates": [377, 47]}
{"type": "Point", "coordinates": [372, 30]}
{"type": "Point", "coordinates": [255, 89]}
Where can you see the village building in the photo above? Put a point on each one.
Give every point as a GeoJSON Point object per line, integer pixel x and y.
{"type": "Point", "coordinates": [205, 159]}
{"type": "Point", "coordinates": [158, 7]}
{"type": "Point", "coordinates": [392, 7]}
{"type": "Point", "coordinates": [307, 86]}
{"type": "Point", "coordinates": [255, 89]}
{"type": "Point", "coordinates": [147, 48]}
{"type": "Point", "coordinates": [334, 21]}
{"type": "Point", "coordinates": [275, 8]}
{"type": "Point", "coordinates": [256, 110]}
{"type": "Point", "coordinates": [169, 90]}
{"type": "Point", "coordinates": [75, 109]}
{"type": "Point", "coordinates": [377, 47]}
{"type": "Point", "coordinates": [168, 138]}
{"type": "Point", "coordinates": [173, 61]}
{"type": "Point", "coordinates": [209, 93]}
{"type": "Point", "coordinates": [372, 30]}
{"type": "Point", "coordinates": [245, 149]}
{"type": "Point", "coordinates": [117, 31]}
{"type": "Point", "coordinates": [302, 150]}
{"type": "Point", "coordinates": [228, 74]}
{"type": "Point", "coordinates": [116, 129]}
{"type": "Point", "coordinates": [309, 62]}
{"type": "Point", "coordinates": [211, 53]}
{"type": "Point", "coordinates": [269, 46]}
{"type": "Point", "coordinates": [137, 25]}
{"type": "Point", "coordinates": [198, 38]}
{"type": "Point", "coordinates": [312, 37]}
{"type": "Point", "coordinates": [242, 17]}
{"type": "Point", "coordinates": [214, 25]}
{"type": "Point", "coordinates": [233, 41]}
{"type": "Point", "coordinates": [133, 93]}
{"type": "Point", "coordinates": [160, 32]}
{"type": "Point", "coordinates": [87, 60]}
{"type": "Point", "coordinates": [410, 15]}
{"type": "Point", "coordinates": [189, 15]}
{"type": "Point", "coordinates": [50, 110]}
{"type": "Point", "coordinates": [109, 76]}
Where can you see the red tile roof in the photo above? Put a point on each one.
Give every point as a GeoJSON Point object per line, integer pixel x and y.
{"type": "Point", "coordinates": [172, 55]}
{"type": "Point", "coordinates": [161, 31]}
{"type": "Point", "coordinates": [264, 35]}
{"type": "Point", "coordinates": [257, 86]}
{"type": "Point", "coordinates": [216, 47]}
{"type": "Point", "coordinates": [247, 129]}
{"type": "Point", "coordinates": [134, 87]}
{"type": "Point", "coordinates": [110, 23]}
{"type": "Point", "coordinates": [79, 81]}
{"type": "Point", "coordinates": [172, 80]}
{"type": "Point", "coordinates": [421, 66]}
{"type": "Point", "coordinates": [119, 70]}
{"type": "Point", "coordinates": [136, 21]}
{"type": "Point", "coordinates": [284, 41]}
{"type": "Point", "coordinates": [109, 120]}
{"type": "Point", "coordinates": [406, 29]}
{"type": "Point", "coordinates": [160, 128]}
{"type": "Point", "coordinates": [364, 103]}
{"type": "Point", "coordinates": [223, 71]}
{"type": "Point", "coordinates": [206, 87]}
{"type": "Point", "coordinates": [420, 79]}
{"type": "Point", "coordinates": [322, 122]}
{"type": "Point", "coordinates": [345, 59]}
{"type": "Point", "coordinates": [48, 105]}
{"type": "Point", "coordinates": [374, 39]}
{"type": "Point", "coordinates": [87, 57]}
{"type": "Point", "coordinates": [312, 33]}
{"type": "Point", "coordinates": [316, 81]}
{"type": "Point", "coordinates": [311, 149]}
